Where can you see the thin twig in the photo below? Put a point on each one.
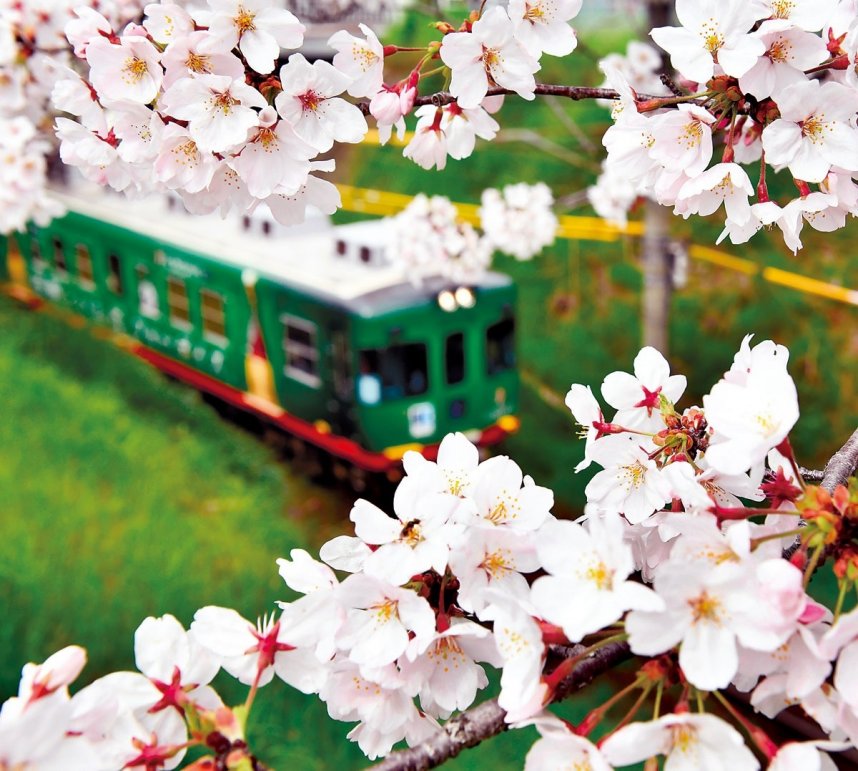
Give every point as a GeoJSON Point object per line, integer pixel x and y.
{"type": "Point", "coordinates": [488, 719]}
{"type": "Point", "coordinates": [811, 474]}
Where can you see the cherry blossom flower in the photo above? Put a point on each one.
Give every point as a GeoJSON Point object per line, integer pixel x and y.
{"type": "Point", "coordinates": [167, 22]}
{"type": "Point", "coordinates": [559, 749]}
{"type": "Point", "coordinates": [253, 654]}
{"type": "Point", "coordinates": [130, 70]}
{"type": "Point", "coordinates": [630, 483]}
{"type": "Point", "coordinates": [380, 617]}
{"type": "Point", "coordinates": [518, 219]}
{"type": "Point", "coordinates": [308, 102]}
{"type": "Point", "coordinates": [428, 146]}
{"type": "Point", "coordinates": [489, 54]}
{"type": "Point", "coordinates": [789, 52]}
{"type": "Point", "coordinates": [447, 675]}
{"type": "Point", "coordinates": [217, 108]}
{"type": "Point", "coordinates": [711, 30]}
{"type": "Point", "coordinates": [689, 742]}
{"type": "Point", "coordinates": [462, 127]}
{"type": "Point", "coordinates": [637, 397]}
{"type": "Point", "coordinates": [181, 164]}
{"type": "Point", "coordinates": [810, 15]}
{"type": "Point", "coordinates": [275, 157]}
{"type": "Point", "coordinates": [254, 26]}
{"type": "Point", "coordinates": [542, 26]}
{"type": "Point", "coordinates": [493, 559]}
{"type": "Point", "coordinates": [500, 500]}
{"type": "Point", "coordinates": [592, 565]}
{"type": "Point", "coordinates": [815, 130]}
{"type": "Point", "coordinates": [726, 183]}
{"type": "Point", "coordinates": [707, 610]}
{"type": "Point", "coordinates": [752, 417]}
{"type": "Point", "coordinates": [362, 60]}
{"type": "Point", "coordinates": [419, 540]}
{"type": "Point", "coordinates": [186, 56]}
{"type": "Point", "coordinates": [683, 139]}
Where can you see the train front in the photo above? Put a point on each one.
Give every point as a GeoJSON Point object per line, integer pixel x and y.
{"type": "Point", "coordinates": [435, 359]}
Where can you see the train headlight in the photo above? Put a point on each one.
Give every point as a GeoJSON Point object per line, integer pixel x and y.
{"type": "Point", "coordinates": [447, 301]}
{"type": "Point", "coordinates": [465, 297]}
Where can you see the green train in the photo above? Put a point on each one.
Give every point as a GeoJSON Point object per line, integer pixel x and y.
{"type": "Point", "coordinates": [310, 329]}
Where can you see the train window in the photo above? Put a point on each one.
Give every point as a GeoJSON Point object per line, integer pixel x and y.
{"type": "Point", "coordinates": [365, 255]}
{"type": "Point", "coordinates": [392, 373]}
{"type": "Point", "coordinates": [114, 275]}
{"type": "Point", "coordinates": [454, 358]}
{"type": "Point", "coordinates": [341, 247]}
{"type": "Point", "coordinates": [214, 318]}
{"type": "Point", "coordinates": [83, 262]}
{"type": "Point", "coordinates": [500, 346]}
{"type": "Point", "coordinates": [147, 294]}
{"type": "Point", "coordinates": [300, 347]}
{"type": "Point", "coordinates": [60, 256]}
{"type": "Point", "coordinates": [177, 302]}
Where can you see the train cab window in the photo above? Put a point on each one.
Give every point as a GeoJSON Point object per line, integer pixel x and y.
{"type": "Point", "coordinates": [300, 347]}
{"type": "Point", "coordinates": [83, 264]}
{"type": "Point", "coordinates": [60, 257]}
{"type": "Point", "coordinates": [147, 294]}
{"type": "Point", "coordinates": [454, 358]}
{"type": "Point", "coordinates": [114, 275]}
{"type": "Point", "coordinates": [500, 346]}
{"type": "Point", "coordinates": [214, 318]}
{"type": "Point", "coordinates": [177, 302]}
{"type": "Point", "coordinates": [387, 374]}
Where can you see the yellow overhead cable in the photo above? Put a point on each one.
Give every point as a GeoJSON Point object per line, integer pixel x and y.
{"type": "Point", "coordinates": [382, 203]}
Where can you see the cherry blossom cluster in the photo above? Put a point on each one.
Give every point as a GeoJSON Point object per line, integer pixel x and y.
{"type": "Point", "coordinates": [430, 238]}
{"type": "Point", "coordinates": [770, 83]}
{"type": "Point", "coordinates": [681, 555]}
{"type": "Point", "coordinates": [519, 219]}
{"type": "Point", "coordinates": [196, 101]}
{"type": "Point", "coordinates": [33, 51]}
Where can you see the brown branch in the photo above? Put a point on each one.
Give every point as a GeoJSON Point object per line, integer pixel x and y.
{"type": "Point", "coordinates": [842, 464]}
{"type": "Point", "coordinates": [487, 719]}
{"type": "Point", "coordinates": [575, 93]}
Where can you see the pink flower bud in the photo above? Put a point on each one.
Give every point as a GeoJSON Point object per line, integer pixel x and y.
{"type": "Point", "coordinates": [386, 106]}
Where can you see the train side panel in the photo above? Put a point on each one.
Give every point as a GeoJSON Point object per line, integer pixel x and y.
{"type": "Point", "coordinates": [178, 303]}
{"type": "Point", "coordinates": [303, 338]}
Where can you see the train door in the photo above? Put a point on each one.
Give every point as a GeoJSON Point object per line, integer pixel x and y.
{"type": "Point", "coordinates": [260, 378]}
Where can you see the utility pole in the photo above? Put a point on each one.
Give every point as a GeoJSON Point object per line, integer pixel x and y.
{"type": "Point", "coordinates": [655, 258]}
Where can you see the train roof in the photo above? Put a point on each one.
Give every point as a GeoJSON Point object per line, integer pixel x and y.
{"type": "Point", "coordinates": [304, 257]}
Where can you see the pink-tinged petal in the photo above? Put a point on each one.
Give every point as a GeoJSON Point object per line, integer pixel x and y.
{"type": "Point", "coordinates": [809, 163]}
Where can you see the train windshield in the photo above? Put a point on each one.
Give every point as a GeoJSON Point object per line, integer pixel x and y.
{"type": "Point", "coordinates": [500, 346]}
{"type": "Point", "coordinates": [387, 374]}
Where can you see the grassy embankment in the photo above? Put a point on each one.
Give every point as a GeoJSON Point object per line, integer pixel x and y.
{"type": "Point", "coordinates": [579, 301]}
